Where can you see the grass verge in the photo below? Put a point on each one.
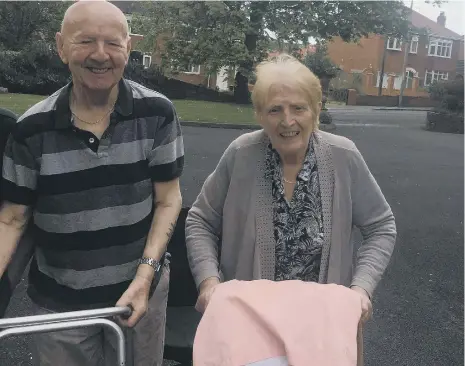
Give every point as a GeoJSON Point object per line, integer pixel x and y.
{"type": "Point", "coordinates": [188, 110]}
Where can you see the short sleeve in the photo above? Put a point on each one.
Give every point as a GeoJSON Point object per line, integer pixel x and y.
{"type": "Point", "coordinates": [20, 172]}
{"type": "Point", "coordinates": [166, 159]}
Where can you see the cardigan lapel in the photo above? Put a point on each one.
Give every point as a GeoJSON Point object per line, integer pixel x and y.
{"type": "Point", "coordinates": [326, 180]}
{"type": "Point", "coordinates": [265, 242]}
{"type": "Point", "coordinates": [265, 245]}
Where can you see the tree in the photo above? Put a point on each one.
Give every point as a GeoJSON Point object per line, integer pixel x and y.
{"type": "Point", "coordinates": [235, 33]}
{"type": "Point", "coordinates": [449, 93]}
{"type": "Point", "coordinates": [321, 65]}
{"type": "Point", "coordinates": [24, 22]}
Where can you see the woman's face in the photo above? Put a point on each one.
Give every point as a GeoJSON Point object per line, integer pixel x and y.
{"type": "Point", "coordinates": [288, 120]}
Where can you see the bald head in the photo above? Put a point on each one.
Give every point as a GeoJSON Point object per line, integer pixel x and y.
{"type": "Point", "coordinates": [95, 10]}
{"type": "Point", "coordinates": [94, 42]}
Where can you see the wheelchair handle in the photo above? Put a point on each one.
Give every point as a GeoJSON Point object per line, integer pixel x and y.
{"type": "Point", "coordinates": [124, 312]}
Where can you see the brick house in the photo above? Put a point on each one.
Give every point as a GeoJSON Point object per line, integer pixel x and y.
{"type": "Point", "coordinates": [194, 74]}
{"type": "Point", "coordinates": [435, 56]}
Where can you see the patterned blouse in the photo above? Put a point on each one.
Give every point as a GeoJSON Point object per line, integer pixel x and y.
{"type": "Point", "coordinates": [298, 224]}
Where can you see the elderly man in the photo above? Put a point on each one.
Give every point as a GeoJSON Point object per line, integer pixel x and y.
{"type": "Point", "coordinates": [97, 166]}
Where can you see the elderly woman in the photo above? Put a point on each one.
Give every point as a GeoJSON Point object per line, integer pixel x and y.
{"type": "Point", "coordinates": [283, 201]}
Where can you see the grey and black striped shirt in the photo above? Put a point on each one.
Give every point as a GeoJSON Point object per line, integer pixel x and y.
{"type": "Point", "coordinates": [92, 199]}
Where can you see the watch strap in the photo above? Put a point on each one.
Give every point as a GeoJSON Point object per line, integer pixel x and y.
{"type": "Point", "coordinates": [151, 262]}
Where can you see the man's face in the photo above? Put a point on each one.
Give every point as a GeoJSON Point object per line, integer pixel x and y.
{"type": "Point", "coordinates": [96, 48]}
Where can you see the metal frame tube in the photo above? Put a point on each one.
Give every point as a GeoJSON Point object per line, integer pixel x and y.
{"type": "Point", "coordinates": [73, 324]}
{"type": "Point", "coordinates": [64, 317]}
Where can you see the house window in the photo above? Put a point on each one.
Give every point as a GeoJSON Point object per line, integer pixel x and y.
{"type": "Point", "coordinates": [440, 48]}
{"type": "Point", "coordinates": [129, 20]}
{"type": "Point", "coordinates": [385, 80]}
{"type": "Point", "coordinates": [192, 69]}
{"type": "Point", "coordinates": [394, 44]}
{"type": "Point", "coordinates": [147, 61]}
{"type": "Point", "coordinates": [409, 75]}
{"type": "Point", "coordinates": [414, 44]}
{"type": "Point", "coordinates": [433, 75]}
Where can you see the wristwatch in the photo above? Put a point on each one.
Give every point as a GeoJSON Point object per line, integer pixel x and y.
{"type": "Point", "coordinates": [151, 262]}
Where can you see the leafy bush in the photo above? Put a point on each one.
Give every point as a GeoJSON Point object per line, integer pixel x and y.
{"type": "Point", "coordinates": [36, 69]}
{"type": "Point", "coordinates": [325, 118]}
{"type": "Point", "coordinates": [450, 94]}
{"type": "Point", "coordinates": [448, 117]}
{"type": "Point", "coordinates": [39, 70]}
{"type": "Point", "coordinates": [154, 79]}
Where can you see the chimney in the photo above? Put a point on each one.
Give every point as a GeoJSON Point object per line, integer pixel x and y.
{"type": "Point", "coordinates": [442, 19]}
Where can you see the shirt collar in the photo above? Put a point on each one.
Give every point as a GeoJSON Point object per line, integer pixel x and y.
{"type": "Point", "coordinates": [273, 160]}
{"type": "Point", "coordinates": [124, 104]}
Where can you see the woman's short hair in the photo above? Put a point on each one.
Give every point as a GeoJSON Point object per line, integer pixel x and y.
{"type": "Point", "coordinates": [285, 69]}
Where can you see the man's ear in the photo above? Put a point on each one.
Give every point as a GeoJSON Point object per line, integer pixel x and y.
{"type": "Point", "coordinates": [128, 49]}
{"type": "Point", "coordinates": [60, 45]}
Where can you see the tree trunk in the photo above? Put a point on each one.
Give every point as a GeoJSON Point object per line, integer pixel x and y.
{"type": "Point", "coordinates": [241, 92]}
{"type": "Point", "coordinates": [324, 81]}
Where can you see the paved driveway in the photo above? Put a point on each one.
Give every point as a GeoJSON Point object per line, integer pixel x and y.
{"type": "Point", "coordinates": [418, 319]}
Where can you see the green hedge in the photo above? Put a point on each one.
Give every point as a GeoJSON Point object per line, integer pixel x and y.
{"type": "Point", "coordinates": [39, 70]}
{"type": "Point", "coordinates": [34, 70]}
{"type": "Point", "coordinates": [450, 94]}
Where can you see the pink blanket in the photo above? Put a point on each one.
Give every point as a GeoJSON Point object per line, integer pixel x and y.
{"type": "Point", "coordinates": [266, 323]}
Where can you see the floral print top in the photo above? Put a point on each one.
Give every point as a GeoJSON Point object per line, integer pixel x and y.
{"type": "Point", "coordinates": [298, 224]}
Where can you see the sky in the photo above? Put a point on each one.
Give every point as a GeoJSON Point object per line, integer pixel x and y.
{"type": "Point", "coordinates": [453, 9]}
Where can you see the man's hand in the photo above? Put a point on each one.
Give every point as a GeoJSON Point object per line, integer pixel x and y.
{"type": "Point", "coordinates": [136, 297]}
{"type": "Point", "coordinates": [205, 293]}
{"type": "Point", "coordinates": [367, 307]}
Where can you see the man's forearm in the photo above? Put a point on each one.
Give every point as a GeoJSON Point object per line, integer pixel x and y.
{"type": "Point", "coordinates": [163, 224]}
{"type": "Point", "coordinates": [10, 236]}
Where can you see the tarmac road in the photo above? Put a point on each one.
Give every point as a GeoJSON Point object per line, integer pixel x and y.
{"type": "Point", "coordinates": [418, 307]}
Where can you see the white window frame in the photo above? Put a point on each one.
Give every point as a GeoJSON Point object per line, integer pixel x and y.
{"type": "Point", "coordinates": [129, 20]}
{"type": "Point", "coordinates": [396, 44]}
{"type": "Point", "coordinates": [442, 47]}
{"type": "Point", "coordinates": [435, 76]}
{"type": "Point", "coordinates": [414, 45]}
{"type": "Point", "coordinates": [409, 77]}
{"type": "Point", "coordinates": [146, 57]}
{"type": "Point", "coordinates": [192, 69]}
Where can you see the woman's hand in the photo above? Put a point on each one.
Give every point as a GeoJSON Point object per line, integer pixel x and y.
{"type": "Point", "coordinates": [205, 292]}
{"type": "Point", "coordinates": [367, 307]}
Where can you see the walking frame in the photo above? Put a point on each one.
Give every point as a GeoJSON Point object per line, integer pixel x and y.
{"type": "Point", "coordinates": [73, 320]}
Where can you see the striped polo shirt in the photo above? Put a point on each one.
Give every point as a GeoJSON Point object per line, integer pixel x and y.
{"type": "Point", "coordinates": [92, 199]}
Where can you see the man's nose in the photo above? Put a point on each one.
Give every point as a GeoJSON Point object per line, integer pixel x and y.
{"type": "Point", "coordinates": [100, 54]}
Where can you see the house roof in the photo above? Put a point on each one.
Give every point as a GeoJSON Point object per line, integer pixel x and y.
{"type": "Point", "coordinates": [420, 21]}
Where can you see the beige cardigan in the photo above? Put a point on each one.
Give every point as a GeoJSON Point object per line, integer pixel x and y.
{"type": "Point", "coordinates": [229, 229]}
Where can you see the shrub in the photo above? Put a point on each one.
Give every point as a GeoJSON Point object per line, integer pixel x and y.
{"type": "Point", "coordinates": [154, 79]}
{"type": "Point", "coordinates": [39, 70]}
{"type": "Point", "coordinates": [450, 94]}
{"type": "Point", "coordinates": [36, 69]}
{"type": "Point", "coordinates": [448, 117]}
{"type": "Point", "coordinates": [325, 118]}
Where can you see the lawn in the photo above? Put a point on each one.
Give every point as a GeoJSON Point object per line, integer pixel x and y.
{"type": "Point", "coordinates": [188, 110]}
